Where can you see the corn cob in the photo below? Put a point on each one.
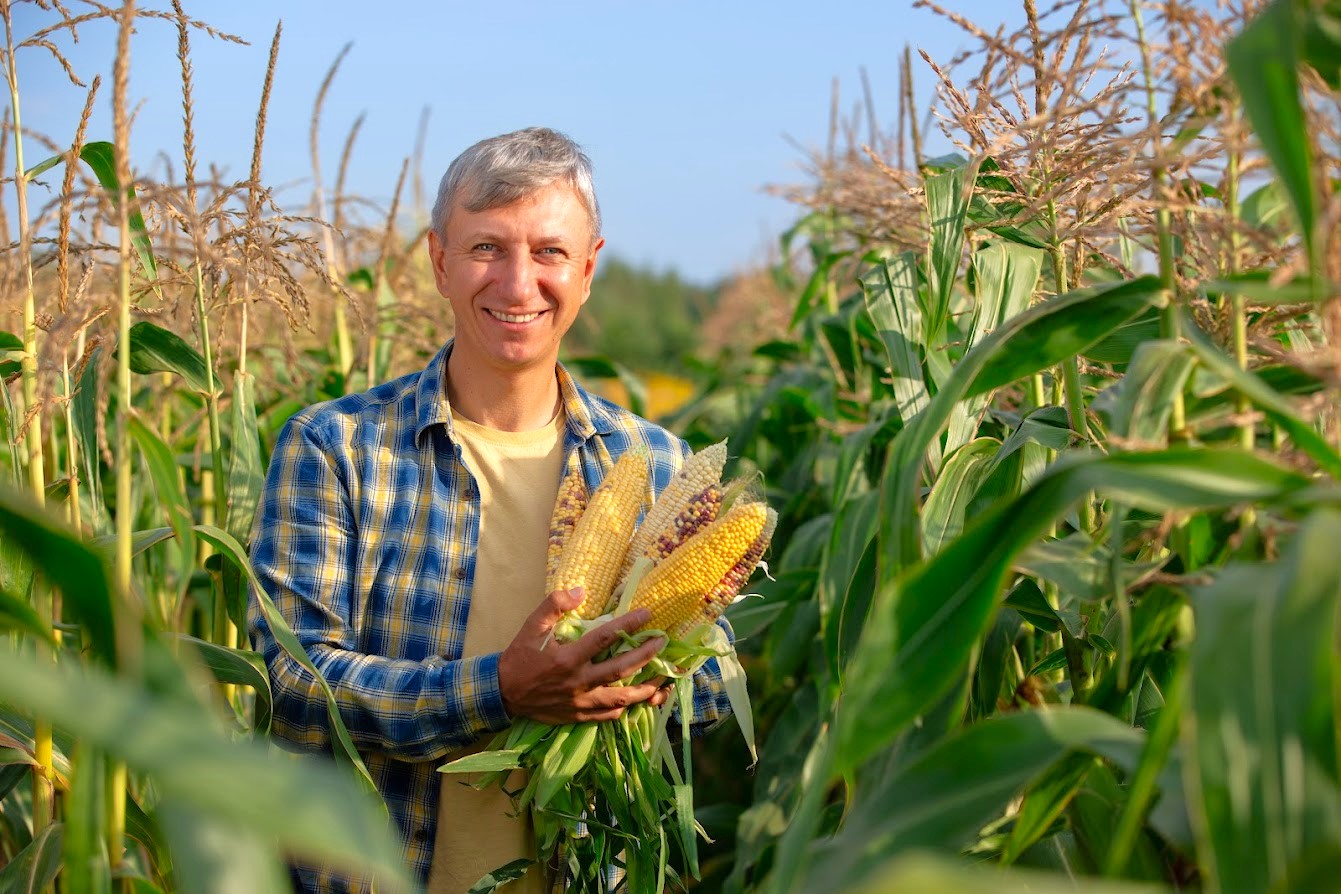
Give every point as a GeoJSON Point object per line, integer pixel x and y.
{"type": "Point", "coordinates": [722, 595]}
{"type": "Point", "coordinates": [699, 470]}
{"type": "Point", "coordinates": [697, 514]}
{"type": "Point", "coordinates": [594, 553]}
{"type": "Point", "coordinates": [568, 508]}
{"type": "Point", "coordinates": [674, 590]}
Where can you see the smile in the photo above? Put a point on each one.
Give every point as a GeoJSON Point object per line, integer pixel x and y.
{"type": "Point", "coordinates": [513, 318]}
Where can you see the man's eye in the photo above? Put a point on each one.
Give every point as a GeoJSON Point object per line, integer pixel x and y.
{"type": "Point", "coordinates": [485, 246]}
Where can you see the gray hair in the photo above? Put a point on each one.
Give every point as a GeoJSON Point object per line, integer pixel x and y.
{"type": "Point", "coordinates": [500, 170]}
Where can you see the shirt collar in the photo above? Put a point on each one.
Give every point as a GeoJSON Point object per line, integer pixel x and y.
{"type": "Point", "coordinates": [584, 416]}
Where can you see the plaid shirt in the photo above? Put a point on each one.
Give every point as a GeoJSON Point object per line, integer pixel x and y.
{"type": "Point", "coordinates": [365, 539]}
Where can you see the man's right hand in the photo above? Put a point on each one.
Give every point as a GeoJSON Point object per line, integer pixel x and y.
{"type": "Point", "coordinates": [560, 683]}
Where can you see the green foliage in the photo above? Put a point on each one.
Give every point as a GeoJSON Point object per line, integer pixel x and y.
{"type": "Point", "coordinates": [643, 319]}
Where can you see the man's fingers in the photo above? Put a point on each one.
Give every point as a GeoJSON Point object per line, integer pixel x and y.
{"type": "Point", "coordinates": [551, 609]}
{"type": "Point", "coordinates": [605, 636]}
{"type": "Point", "coordinates": [614, 669]}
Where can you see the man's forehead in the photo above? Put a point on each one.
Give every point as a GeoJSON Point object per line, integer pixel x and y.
{"type": "Point", "coordinates": [568, 213]}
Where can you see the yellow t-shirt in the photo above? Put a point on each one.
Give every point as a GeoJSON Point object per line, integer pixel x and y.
{"type": "Point", "coordinates": [517, 474]}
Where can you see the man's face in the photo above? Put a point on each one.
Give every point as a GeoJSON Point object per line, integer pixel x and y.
{"type": "Point", "coordinates": [516, 276]}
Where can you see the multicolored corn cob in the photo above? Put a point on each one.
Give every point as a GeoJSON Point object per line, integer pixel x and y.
{"type": "Point", "coordinates": [675, 590]}
{"type": "Point", "coordinates": [594, 553]}
{"type": "Point", "coordinates": [719, 597]}
{"type": "Point", "coordinates": [701, 511]}
{"type": "Point", "coordinates": [568, 508]}
{"type": "Point", "coordinates": [698, 472]}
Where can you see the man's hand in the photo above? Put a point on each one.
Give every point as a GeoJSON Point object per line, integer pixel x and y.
{"type": "Point", "coordinates": [560, 683]}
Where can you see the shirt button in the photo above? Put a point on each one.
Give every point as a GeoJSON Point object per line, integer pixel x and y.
{"type": "Point", "coordinates": [421, 835]}
{"type": "Point", "coordinates": [462, 573]}
{"type": "Point", "coordinates": [472, 493]}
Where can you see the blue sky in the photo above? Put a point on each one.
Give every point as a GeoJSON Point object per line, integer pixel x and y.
{"type": "Point", "coordinates": [688, 109]}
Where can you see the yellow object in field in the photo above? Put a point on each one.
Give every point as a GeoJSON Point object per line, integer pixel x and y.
{"type": "Point", "coordinates": [593, 554]}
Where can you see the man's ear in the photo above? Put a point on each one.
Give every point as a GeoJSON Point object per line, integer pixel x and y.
{"type": "Point", "coordinates": [435, 256]}
{"type": "Point", "coordinates": [589, 273]}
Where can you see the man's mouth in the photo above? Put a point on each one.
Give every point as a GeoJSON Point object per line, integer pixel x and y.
{"type": "Point", "coordinates": [513, 318]}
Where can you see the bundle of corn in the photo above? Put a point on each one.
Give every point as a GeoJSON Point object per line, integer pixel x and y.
{"type": "Point", "coordinates": [613, 794]}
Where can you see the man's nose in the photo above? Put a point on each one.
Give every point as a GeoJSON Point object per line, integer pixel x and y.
{"type": "Point", "coordinates": [519, 276]}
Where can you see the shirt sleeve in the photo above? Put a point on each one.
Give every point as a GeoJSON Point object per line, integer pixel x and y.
{"type": "Point", "coordinates": [304, 553]}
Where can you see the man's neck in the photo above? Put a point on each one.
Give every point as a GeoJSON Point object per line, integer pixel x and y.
{"type": "Point", "coordinates": [514, 400]}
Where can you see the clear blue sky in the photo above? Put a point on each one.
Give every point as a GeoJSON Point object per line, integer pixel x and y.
{"type": "Point", "coordinates": [688, 109]}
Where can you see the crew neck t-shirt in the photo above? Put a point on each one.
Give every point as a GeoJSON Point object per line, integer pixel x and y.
{"type": "Point", "coordinates": [517, 475]}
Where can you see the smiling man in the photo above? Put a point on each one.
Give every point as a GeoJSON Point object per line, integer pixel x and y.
{"type": "Point", "coordinates": [403, 531]}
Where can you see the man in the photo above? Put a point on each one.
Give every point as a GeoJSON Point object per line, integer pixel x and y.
{"type": "Point", "coordinates": [402, 531]}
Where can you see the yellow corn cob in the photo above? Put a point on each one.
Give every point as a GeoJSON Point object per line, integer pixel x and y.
{"type": "Point", "coordinates": [568, 508]}
{"type": "Point", "coordinates": [594, 553]}
{"type": "Point", "coordinates": [674, 591]}
{"type": "Point", "coordinates": [699, 470]}
{"type": "Point", "coordinates": [697, 514]}
{"type": "Point", "coordinates": [722, 595]}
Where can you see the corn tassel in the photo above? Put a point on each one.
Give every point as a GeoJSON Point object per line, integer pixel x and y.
{"type": "Point", "coordinates": [698, 472]}
{"type": "Point", "coordinates": [675, 590]}
{"type": "Point", "coordinates": [568, 508]}
{"type": "Point", "coordinates": [594, 553]}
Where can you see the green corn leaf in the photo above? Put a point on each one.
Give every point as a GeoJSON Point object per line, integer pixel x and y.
{"type": "Point", "coordinates": [85, 411]}
{"type": "Point", "coordinates": [1320, 39]}
{"type": "Point", "coordinates": [68, 564]}
{"type": "Point", "coordinates": [241, 667]}
{"type": "Point", "coordinates": [947, 205]}
{"type": "Point", "coordinates": [139, 541]}
{"type": "Point", "coordinates": [1032, 341]}
{"type": "Point", "coordinates": [33, 869]}
{"type": "Point", "coordinates": [246, 473]}
{"type": "Point", "coordinates": [1005, 277]}
{"type": "Point", "coordinates": [995, 662]}
{"type": "Point", "coordinates": [1044, 803]}
{"type": "Point", "coordinates": [288, 641]}
{"type": "Point", "coordinates": [1263, 61]}
{"type": "Point", "coordinates": [10, 346]}
{"type": "Point", "coordinates": [100, 156]}
{"type": "Point", "coordinates": [737, 693]}
{"type": "Point", "coordinates": [1277, 408]}
{"type": "Point", "coordinates": [215, 857]}
{"type": "Point", "coordinates": [308, 806]}
{"type": "Point", "coordinates": [1138, 406]}
{"type": "Point", "coordinates": [563, 760]}
{"type": "Point", "coordinates": [486, 762]}
{"type": "Point", "coordinates": [1080, 568]}
{"type": "Point", "coordinates": [842, 605]}
{"type": "Point", "coordinates": [924, 623]}
{"type": "Point", "coordinates": [499, 877]}
{"type": "Point", "coordinates": [1056, 330]}
{"type": "Point", "coordinates": [928, 874]}
{"type": "Point", "coordinates": [171, 496]}
{"type": "Point", "coordinates": [84, 852]}
{"type": "Point", "coordinates": [144, 830]}
{"type": "Point", "coordinates": [16, 613]}
{"type": "Point", "coordinates": [1258, 286]}
{"type": "Point", "coordinates": [944, 796]}
{"type": "Point", "coordinates": [1262, 724]}
{"type": "Point", "coordinates": [155, 349]}
{"type": "Point", "coordinates": [891, 300]}
{"type": "Point", "coordinates": [1118, 346]}
{"type": "Point", "coordinates": [1027, 599]}
{"type": "Point", "coordinates": [946, 506]}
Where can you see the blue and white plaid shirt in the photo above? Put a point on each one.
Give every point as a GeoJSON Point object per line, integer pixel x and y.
{"type": "Point", "coordinates": [365, 538]}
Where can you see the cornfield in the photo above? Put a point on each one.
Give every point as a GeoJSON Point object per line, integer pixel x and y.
{"type": "Point", "coordinates": [1053, 437]}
